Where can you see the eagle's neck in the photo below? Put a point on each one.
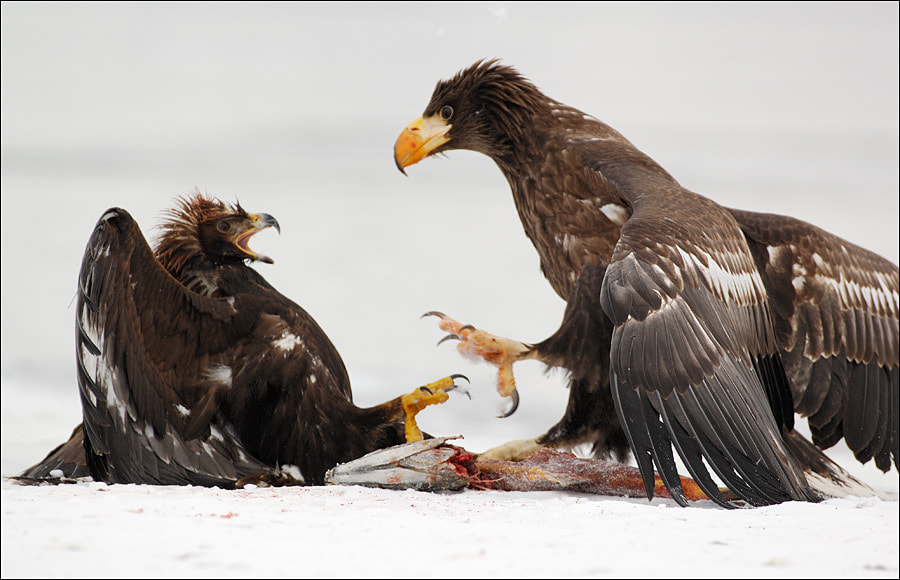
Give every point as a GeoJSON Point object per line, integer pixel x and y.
{"type": "Point", "coordinates": [220, 279]}
{"type": "Point", "coordinates": [202, 281]}
{"type": "Point", "coordinates": [178, 246]}
{"type": "Point", "coordinates": [179, 251]}
{"type": "Point", "coordinates": [574, 181]}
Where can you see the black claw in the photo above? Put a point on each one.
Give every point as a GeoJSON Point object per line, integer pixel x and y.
{"type": "Point", "coordinates": [467, 327]}
{"type": "Point", "coordinates": [515, 405]}
{"type": "Point", "coordinates": [455, 386]}
{"type": "Point", "coordinates": [400, 166]}
{"type": "Point", "coordinates": [426, 389]}
{"type": "Point", "coordinates": [434, 313]}
{"type": "Point", "coordinates": [448, 337]}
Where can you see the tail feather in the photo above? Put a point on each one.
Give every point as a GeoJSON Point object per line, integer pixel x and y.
{"type": "Point", "coordinates": [825, 477]}
{"type": "Point", "coordinates": [63, 464]}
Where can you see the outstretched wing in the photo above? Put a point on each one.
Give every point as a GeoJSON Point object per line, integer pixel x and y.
{"type": "Point", "coordinates": [142, 342]}
{"type": "Point", "coordinates": [836, 318]}
{"type": "Point", "coordinates": [693, 362]}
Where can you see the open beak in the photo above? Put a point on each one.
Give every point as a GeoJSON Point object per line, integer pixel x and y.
{"type": "Point", "coordinates": [260, 221]}
{"type": "Point", "coordinates": [420, 139]}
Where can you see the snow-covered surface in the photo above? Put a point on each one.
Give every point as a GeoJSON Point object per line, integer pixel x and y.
{"type": "Point", "coordinates": [293, 109]}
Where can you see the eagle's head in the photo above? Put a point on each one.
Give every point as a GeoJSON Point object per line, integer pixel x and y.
{"type": "Point", "coordinates": [485, 108]}
{"type": "Point", "coordinates": [210, 231]}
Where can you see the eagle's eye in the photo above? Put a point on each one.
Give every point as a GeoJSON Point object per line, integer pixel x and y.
{"type": "Point", "coordinates": [223, 227]}
{"type": "Point", "coordinates": [446, 112]}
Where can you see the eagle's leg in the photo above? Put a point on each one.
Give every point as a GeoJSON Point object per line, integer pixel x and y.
{"type": "Point", "coordinates": [497, 350]}
{"type": "Point", "coordinates": [515, 450]}
{"type": "Point", "coordinates": [431, 394]}
{"type": "Point", "coordinates": [581, 346]}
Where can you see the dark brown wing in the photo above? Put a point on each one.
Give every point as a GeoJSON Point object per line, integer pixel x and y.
{"type": "Point", "coordinates": [692, 362]}
{"type": "Point", "coordinates": [836, 319]}
{"type": "Point", "coordinates": [289, 399]}
{"type": "Point", "coordinates": [142, 341]}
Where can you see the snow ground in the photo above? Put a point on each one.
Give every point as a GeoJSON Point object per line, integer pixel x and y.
{"type": "Point", "coordinates": [293, 109]}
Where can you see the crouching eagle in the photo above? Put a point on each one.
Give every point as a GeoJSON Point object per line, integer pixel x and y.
{"type": "Point", "coordinates": [193, 369]}
{"type": "Point", "coordinates": [688, 325]}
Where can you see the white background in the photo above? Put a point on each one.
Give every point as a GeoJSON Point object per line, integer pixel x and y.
{"type": "Point", "coordinates": [293, 109]}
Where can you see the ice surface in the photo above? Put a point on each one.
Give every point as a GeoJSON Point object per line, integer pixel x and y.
{"type": "Point", "coordinates": [293, 110]}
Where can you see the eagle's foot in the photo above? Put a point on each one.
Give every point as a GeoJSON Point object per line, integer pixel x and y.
{"type": "Point", "coordinates": [497, 350]}
{"type": "Point", "coordinates": [517, 450]}
{"type": "Point", "coordinates": [431, 394]}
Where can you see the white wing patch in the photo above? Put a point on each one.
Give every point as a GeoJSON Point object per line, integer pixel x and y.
{"type": "Point", "coordinates": [564, 240]}
{"type": "Point", "coordinates": [89, 361]}
{"type": "Point", "coordinates": [229, 438]}
{"type": "Point", "coordinates": [215, 434]}
{"type": "Point", "coordinates": [100, 371]}
{"type": "Point", "coordinates": [881, 299]}
{"type": "Point", "coordinates": [220, 374]}
{"type": "Point", "coordinates": [616, 213]}
{"type": "Point", "coordinates": [799, 274]}
{"type": "Point", "coordinates": [287, 341]}
{"type": "Point", "coordinates": [741, 288]}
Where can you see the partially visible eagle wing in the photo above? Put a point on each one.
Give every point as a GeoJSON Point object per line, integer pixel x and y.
{"type": "Point", "coordinates": [290, 400]}
{"type": "Point", "coordinates": [691, 363]}
{"type": "Point", "coordinates": [139, 335]}
{"type": "Point", "coordinates": [836, 319]}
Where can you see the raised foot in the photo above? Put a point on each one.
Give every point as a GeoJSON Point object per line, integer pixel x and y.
{"type": "Point", "coordinates": [497, 350]}
{"type": "Point", "coordinates": [431, 394]}
{"type": "Point", "coordinates": [517, 450]}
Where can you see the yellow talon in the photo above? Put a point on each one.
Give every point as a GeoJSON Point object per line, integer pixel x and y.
{"type": "Point", "coordinates": [431, 394]}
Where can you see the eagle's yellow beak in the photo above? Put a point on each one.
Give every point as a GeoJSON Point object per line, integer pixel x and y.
{"type": "Point", "coordinates": [419, 140]}
{"type": "Point", "coordinates": [258, 222]}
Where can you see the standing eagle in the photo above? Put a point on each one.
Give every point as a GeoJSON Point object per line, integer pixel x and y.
{"type": "Point", "coordinates": [688, 325]}
{"type": "Point", "coordinates": [193, 369]}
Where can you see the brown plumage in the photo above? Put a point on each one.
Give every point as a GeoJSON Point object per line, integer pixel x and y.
{"type": "Point", "coordinates": [688, 325]}
{"type": "Point", "coordinates": [192, 369]}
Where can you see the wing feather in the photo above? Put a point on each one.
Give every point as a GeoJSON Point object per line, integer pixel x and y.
{"type": "Point", "coordinates": [690, 448]}
{"type": "Point", "coordinates": [718, 405]}
{"type": "Point", "coordinates": [661, 448]}
{"type": "Point", "coordinates": [836, 310]}
{"type": "Point", "coordinates": [132, 342]}
{"type": "Point", "coordinates": [631, 413]}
